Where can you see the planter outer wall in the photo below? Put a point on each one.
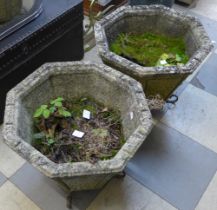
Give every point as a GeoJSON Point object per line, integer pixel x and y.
{"type": "Point", "coordinates": [156, 19]}
{"type": "Point", "coordinates": [72, 80]}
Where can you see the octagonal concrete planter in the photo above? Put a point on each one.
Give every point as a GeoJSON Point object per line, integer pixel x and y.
{"type": "Point", "coordinates": [70, 80]}
{"type": "Point", "coordinates": [156, 19]}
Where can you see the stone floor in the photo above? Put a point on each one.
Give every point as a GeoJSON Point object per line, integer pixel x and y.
{"type": "Point", "coordinates": [174, 169]}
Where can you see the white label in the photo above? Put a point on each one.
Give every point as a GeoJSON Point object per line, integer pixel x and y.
{"type": "Point", "coordinates": [131, 115]}
{"type": "Point", "coordinates": [78, 134]}
{"type": "Point", "coordinates": [86, 114]}
{"type": "Point", "coordinates": [163, 62]}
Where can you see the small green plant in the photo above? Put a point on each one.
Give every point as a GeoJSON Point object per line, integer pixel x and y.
{"type": "Point", "coordinates": [46, 119]}
{"type": "Point", "coordinates": [55, 107]}
{"type": "Point", "coordinates": [42, 111]}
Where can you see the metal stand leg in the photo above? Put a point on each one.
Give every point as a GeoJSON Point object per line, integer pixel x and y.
{"type": "Point", "coordinates": [69, 201]}
{"type": "Point", "coordinates": [171, 101]}
{"type": "Point", "coordinates": [121, 174]}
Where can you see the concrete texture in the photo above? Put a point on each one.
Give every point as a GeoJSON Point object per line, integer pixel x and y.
{"type": "Point", "coordinates": [10, 162]}
{"type": "Point", "coordinates": [72, 80]}
{"type": "Point", "coordinates": [209, 25]}
{"type": "Point", "coordinates": [157, 19]}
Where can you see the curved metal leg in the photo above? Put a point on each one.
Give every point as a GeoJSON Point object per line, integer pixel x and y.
{"type": "Point", "coordinates": [122, 174]}
{"type": "Point", "coordinates": [69, 201]}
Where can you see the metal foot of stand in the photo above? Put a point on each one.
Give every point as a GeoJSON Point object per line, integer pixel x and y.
{"type": "Point", "coordinates": [70, 194]}
{"type": "Point", "coordinates": [69, 201]}
{"type": "Point", "coordinates": [121, 174]}
{"type": "Point", "coordinates": [172, 100]}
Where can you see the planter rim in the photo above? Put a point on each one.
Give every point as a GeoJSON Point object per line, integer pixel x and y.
{"type": "Point", "coordinates": [137, 70]}
{"type": "Point", "coordinates": [46, 166]}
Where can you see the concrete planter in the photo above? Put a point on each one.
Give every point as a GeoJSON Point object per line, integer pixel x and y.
{"type": "Point", "coordinates": [157, 19]}
{"type": "Point", "coordinates": [9, 9]}
{"type": "Point", "coordinates": [69, 80]}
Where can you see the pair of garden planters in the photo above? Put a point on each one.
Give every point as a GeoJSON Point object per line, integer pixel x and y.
{"type": "Point", "coordinates": [111, 87]}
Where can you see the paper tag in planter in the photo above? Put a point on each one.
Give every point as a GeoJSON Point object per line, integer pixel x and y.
{"type": "Point", "coordinates": [163, 62]}
{"type": "Point", "coordinates": [78, 134]}
{"type": "Point", "coordinates": [86, 114]}
{"type": "Point", "coordinates": [131, 115]}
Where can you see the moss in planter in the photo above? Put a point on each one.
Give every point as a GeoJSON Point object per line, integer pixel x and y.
{"type": "Point", "coordinates": [150, 49]}
{"type": "Point", "coordinates": [55, 123]}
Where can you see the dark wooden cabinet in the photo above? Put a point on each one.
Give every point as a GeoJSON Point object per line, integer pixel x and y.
{"type": "Point", "coordinates": [55, 35]}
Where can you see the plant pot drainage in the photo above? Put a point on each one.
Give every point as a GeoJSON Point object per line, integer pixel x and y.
{"type": "Point", "coordinates": [155, 20]}
{"type": "Point", "coordinates": [70, 80]}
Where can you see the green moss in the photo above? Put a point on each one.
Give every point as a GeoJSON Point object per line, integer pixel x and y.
{"type": "Point", "coordinates": [147, 49]}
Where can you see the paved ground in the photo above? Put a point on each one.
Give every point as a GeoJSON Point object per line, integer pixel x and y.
{"type": "Point", "coordinates": [174, 169]}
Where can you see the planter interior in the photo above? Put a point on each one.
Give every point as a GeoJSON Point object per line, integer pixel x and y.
{"type": "Point", "coordinates": [72, 81]}
{"type": "Point", "coordinates": [156, 19]}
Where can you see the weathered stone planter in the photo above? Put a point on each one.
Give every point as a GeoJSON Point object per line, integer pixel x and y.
{"type": "Point", "coordinates": [156, 19]}
{"type": "Point", "coordinates": [69, 80]}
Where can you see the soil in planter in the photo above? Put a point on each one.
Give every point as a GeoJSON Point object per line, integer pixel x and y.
{"type": "Point", "coordinates": [150, 49]}
{"type": "Point", "coordinates": [55, 123]}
